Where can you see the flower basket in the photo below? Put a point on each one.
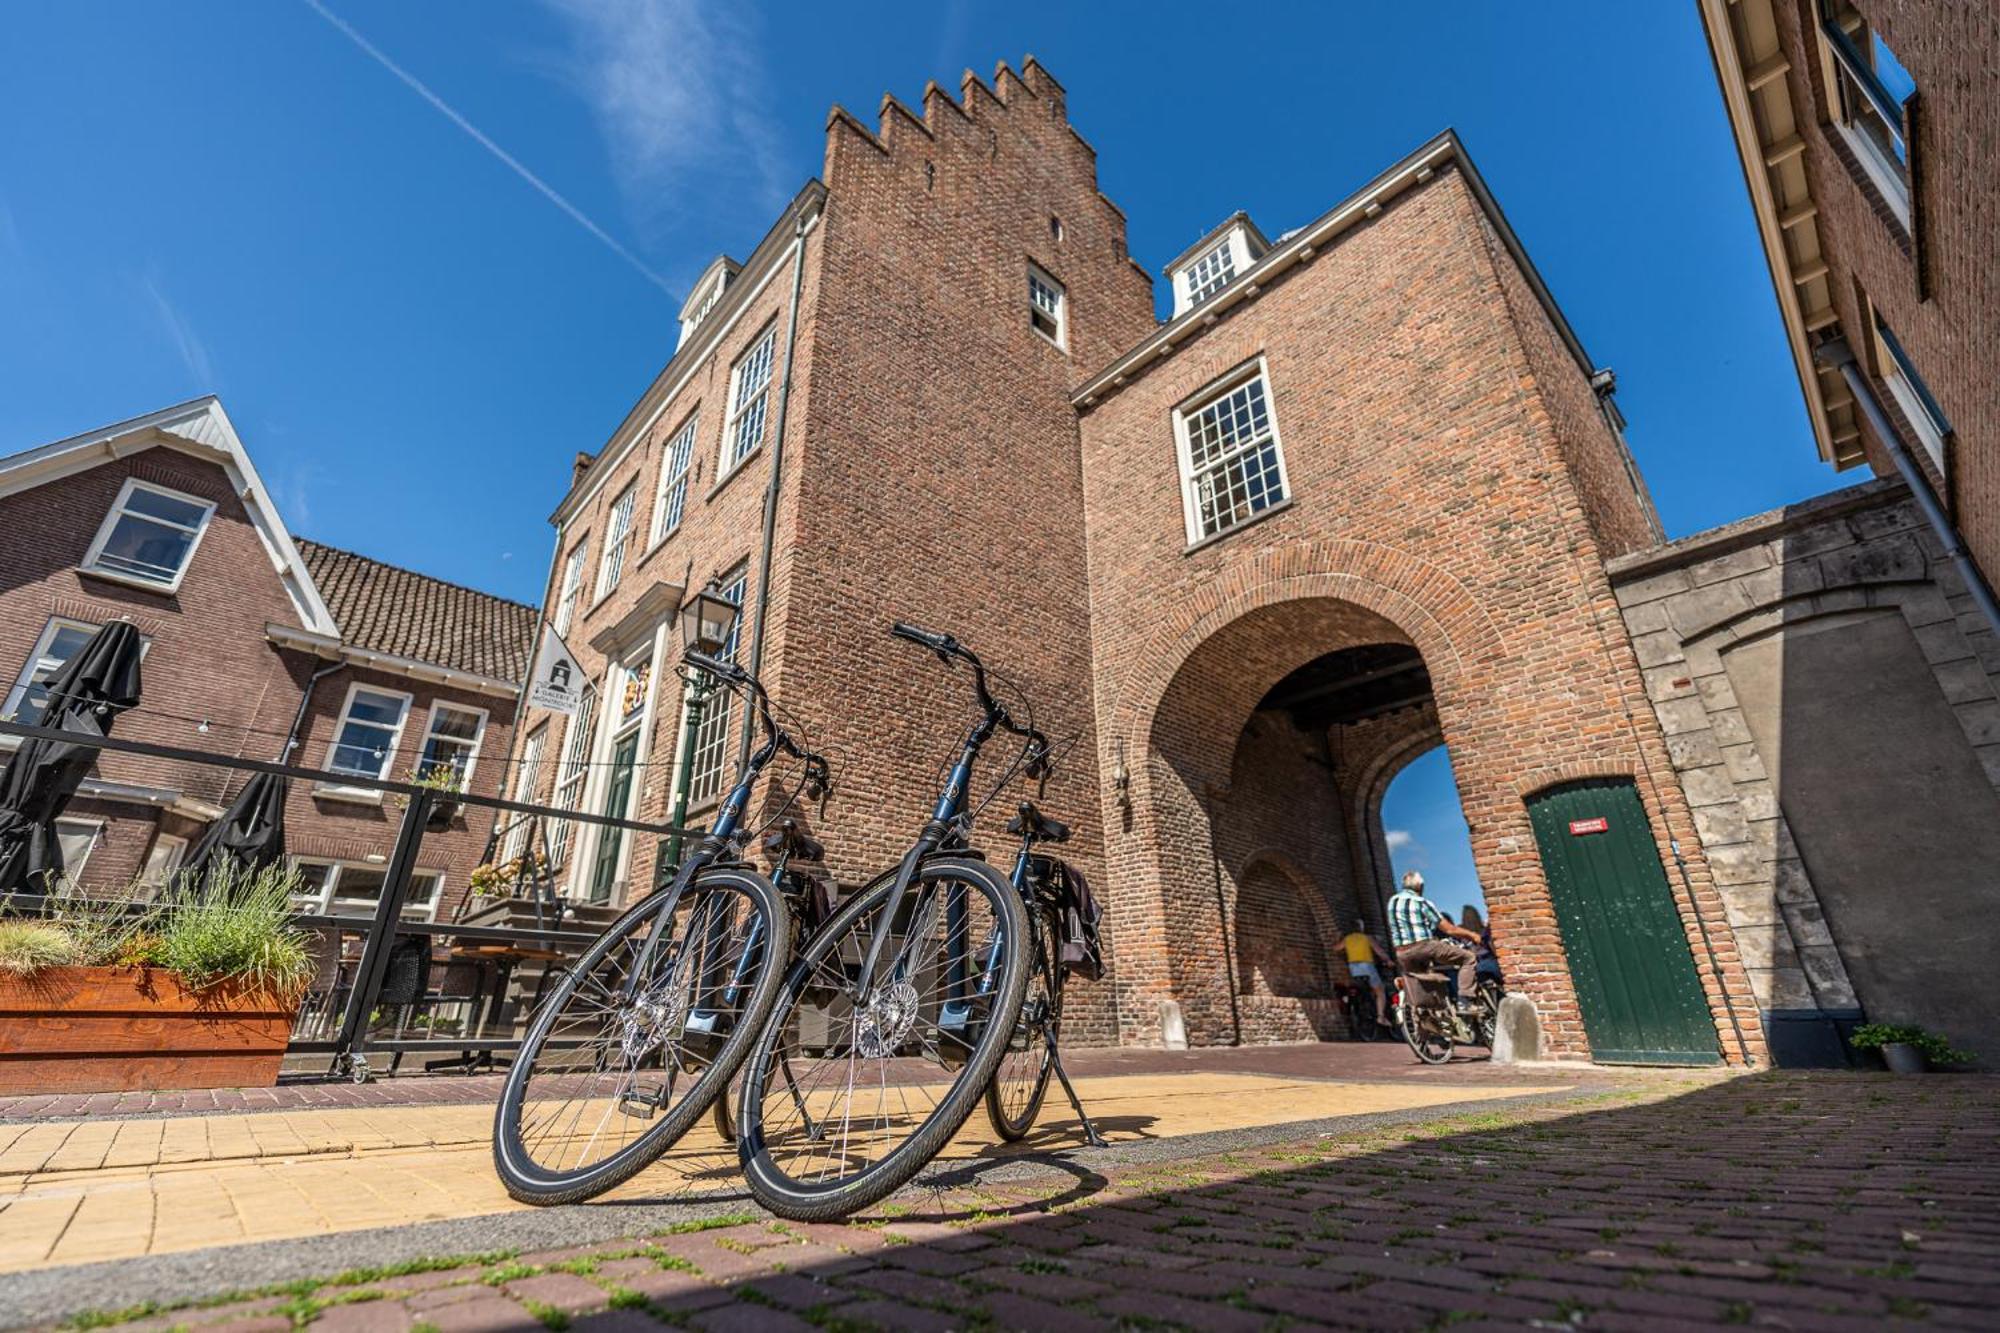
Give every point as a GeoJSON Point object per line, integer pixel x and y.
{"type": "Point", "coordinates": [120, 1029]}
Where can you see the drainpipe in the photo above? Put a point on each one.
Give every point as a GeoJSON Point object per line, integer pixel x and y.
{"type": "Point", "coordinates": [777, 476]}
{"type": "Point", "coordinates": [1837, 355]}
{"type": "Point", "coordinates": [305, 702]}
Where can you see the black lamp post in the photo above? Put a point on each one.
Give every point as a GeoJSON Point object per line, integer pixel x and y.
{"type": "Point", "coordinates": [708, 623]}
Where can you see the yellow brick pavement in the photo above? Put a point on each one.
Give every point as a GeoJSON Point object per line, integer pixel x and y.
{"type": "Point", "coordinates": [80, 1191]}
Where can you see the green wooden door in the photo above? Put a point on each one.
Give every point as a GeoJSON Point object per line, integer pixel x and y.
{"type": "Point", "coordinates": [1628, 954]}
{"type": "Point", "coordinates": [617, 797]}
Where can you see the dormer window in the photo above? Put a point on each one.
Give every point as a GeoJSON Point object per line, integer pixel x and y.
{"type": "Point", "coordinates": [706, 293]}
{"type": "Point", "coordinates": [1215, 261]}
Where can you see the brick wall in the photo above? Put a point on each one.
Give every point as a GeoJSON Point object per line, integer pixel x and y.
{"type": "Point", "coordinates": [1433, 505]}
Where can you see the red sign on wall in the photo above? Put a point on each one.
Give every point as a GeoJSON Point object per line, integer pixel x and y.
{"type": "Point", "coordinates": [1579, 827]}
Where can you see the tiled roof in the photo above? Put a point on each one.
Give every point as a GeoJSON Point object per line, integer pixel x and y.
{"type": "Point", "coordinates": [386, 609]}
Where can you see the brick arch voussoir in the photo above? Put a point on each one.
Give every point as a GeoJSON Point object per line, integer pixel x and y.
{"type": "Point", "coordinates": [1444, 620]}
{"type": "Point", "coordinates": [1535, 781]}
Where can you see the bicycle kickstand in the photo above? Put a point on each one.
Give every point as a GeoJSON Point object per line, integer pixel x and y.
{"type": "Point", "coordinates": [1090, 1134]}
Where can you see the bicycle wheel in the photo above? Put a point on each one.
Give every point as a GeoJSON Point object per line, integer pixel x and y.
{"type": "Point", "coordinates": [611, 1075]}
{"type": "Point", "coordinates": [1421, 1030]}
{"type": "Point", "coordinates": [1014, 1097]}
{"type": "Point", "coordinates": [842, 1099]}
{"type": "Point", "coordinates": [1485, 1016]}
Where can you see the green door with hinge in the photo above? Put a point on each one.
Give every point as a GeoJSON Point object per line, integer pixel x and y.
{"type": "Point", "coordinates": [1635, 980]}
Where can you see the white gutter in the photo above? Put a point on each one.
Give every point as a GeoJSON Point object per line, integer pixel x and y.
{"type": "Point", "coordinates": [333, 650]}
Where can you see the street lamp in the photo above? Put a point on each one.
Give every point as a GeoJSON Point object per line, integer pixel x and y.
{"type": "Point", "coordinates": [708, 624]}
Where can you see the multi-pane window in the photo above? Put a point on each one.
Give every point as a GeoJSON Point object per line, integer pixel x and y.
{"type": "Point", "coordinates": [1907, 387]}
{"type": "Point", "coordinates": [1870, 88]}
{"type": "Point", "coordinates": [350, 888]}
{"type": "Point", "coordinates": [1211, 273]}
{"type": "Point", "coordinates": [525, 777]}
{"type": "Point", "coordinates": [149, 535]}
{"type": "Point", "coordinates": [749, 401]}
{"type": "Point", "coordinates": [617, 532]}
{"type": "Point", "coordinates": [1231, 465]}
{"type": "Point", "coordinates": [365, 740]}
{"type": "Point", "coordinates": [571, 587]}
{"type": "Point", "coordinates": [163, 861]}
{"type": "Point", "coordinates": [711, 734]}
{"type": "Point", "coordinates": [671, 503]}
{"type": "Point", "coordinates": [571, 771]}
{"type": "Point", "coordinates": [451, 742]}
{"type": "Point", "coordinates": [1048, 307]}
{"type": "Point", "coordinates": [59, 642]}
{"type": "Point", "coordinates": [77, 838]}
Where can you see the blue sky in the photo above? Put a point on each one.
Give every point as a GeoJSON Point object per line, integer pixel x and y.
{"type": "Point", "coordinates": [414, 340]}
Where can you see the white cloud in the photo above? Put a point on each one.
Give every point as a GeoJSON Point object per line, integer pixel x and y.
{"type": "Point", "coordinates": [1405, 849]}
{"type": "Point", "coordinates": [680, 97]}
{"type": "Point", "coordinates": [1398, 839]}
{"type": "Point", "coordinates": [193, 353]}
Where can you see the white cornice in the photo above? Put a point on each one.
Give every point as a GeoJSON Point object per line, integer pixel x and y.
{"type": "Point", "coordinates": [332, 649]}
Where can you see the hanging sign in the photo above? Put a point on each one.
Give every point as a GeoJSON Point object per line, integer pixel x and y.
{"type": "Point", "coordinates": [557, 682]}
{"type": "Point", "coordinates": [1579, 827]}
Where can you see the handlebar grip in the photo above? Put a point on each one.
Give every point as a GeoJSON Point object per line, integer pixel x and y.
{"type": "Point", "coordinates": [937, 643]}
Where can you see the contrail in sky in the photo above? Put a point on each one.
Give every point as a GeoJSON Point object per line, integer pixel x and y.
{"type": "Point", "coordinates": [541, 186]}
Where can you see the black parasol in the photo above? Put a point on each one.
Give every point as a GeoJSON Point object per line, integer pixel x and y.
{"type": "Point", "coordinates": [93, 687]}
{"type": "Point", "coordinates": [250, 834]}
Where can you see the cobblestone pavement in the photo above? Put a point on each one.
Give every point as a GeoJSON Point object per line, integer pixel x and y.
{"type": "Point", "coordinates": [1782, 1200]}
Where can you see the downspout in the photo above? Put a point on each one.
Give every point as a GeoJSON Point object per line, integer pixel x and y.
{"type": "Point", "coordinates": [1835, 354]}
{"type": "Point", "coordinates": [777, 475]}
{"type": "Point", "coordinates": [305, 702]}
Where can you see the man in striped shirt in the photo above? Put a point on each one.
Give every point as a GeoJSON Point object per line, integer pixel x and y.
{"type": "Point", "coordinates": [1413, 924]}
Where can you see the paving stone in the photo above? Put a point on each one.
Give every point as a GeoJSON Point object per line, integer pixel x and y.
{"type": "Point", "coordinates": [744, 1317]}
{"type": "Point", "coordinates": [386, 1316]}
{"type": "Point", "coordinates": [892, 1315]}
{"type": "Point", "coordinates": [491, 1313]}
{"type": "Point", "coordinates": [565, 1291]}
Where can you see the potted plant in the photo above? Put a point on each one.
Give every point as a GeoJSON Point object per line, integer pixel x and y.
{"type": "Point", "coordinates": [1907, 1049]}
{"type": "Point", "coordinates": [497, 879]}
{"type": "Point", "coordinates": [198, 991]}
{"type": "Point", "coordinates": [449, 786]}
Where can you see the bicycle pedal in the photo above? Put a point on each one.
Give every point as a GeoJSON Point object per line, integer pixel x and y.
{"type": "Point", "coordinates": [639, 1106]}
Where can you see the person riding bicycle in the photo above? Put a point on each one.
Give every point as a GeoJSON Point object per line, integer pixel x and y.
{"type": "Point", "coordinates": [1362, 956]}
{"type": "Point", "coordinates": [1413, 924]}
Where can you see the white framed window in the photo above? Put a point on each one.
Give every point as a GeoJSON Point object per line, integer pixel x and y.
{"type": "Point", "coordinates": [525, 779]}
{"type": "Point", "coordinates": [1048, 307]}
{"type": "Point", "coordinates": [149, 536]}
{"type": "Point", "coordinates": [163, 861]}
{"type": "Point", "coordinates": [617, 532]}
{"type": "Point", "coordinates": [571, 586]}
{"type": "Point", "coordinates": [1212, 272]}
{"type": "Point", "coordinates": [451, 741]}
{"type": "Point", "coordinates": [1231, 465]}
{"type": "Point", "coordinates": [711, 734]}
{"type": "Point", "coordinates": [78, 838]}
{"type": "Point", "coordinates": [571, 771]}
{"type": "Point", "coordinates": [1907, 387]}
{"type": "Point", "coordinates": [353, 888]}
{"type": "Point", "coordinates": [1870, 89]}
{"type": "Point", "coordinates": [749, 401]}
{"type": "Point", "coordinates": [670, 504]}
{"type": "Point", "coordinates": [59, 641]}
{"type": "Point", "coordinates": [370, 726]}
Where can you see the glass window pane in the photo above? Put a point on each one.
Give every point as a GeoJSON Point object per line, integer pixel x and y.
{"type": "Point", "coordinates": [145, 549]}
{"type": "Point", "coordinates": [185, 513]}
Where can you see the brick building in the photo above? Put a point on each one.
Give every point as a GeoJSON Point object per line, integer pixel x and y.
{"type": "Point", "coordinates": [1353, 500]}
{"type": "Point", "coordinates": [257, 646]}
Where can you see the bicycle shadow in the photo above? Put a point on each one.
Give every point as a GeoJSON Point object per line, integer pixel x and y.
{"type": "Point", "coordinates": [1067, 1135]}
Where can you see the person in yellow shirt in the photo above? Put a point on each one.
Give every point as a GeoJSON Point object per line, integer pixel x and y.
{"type": "Point", "coordinates": [1363, 955]}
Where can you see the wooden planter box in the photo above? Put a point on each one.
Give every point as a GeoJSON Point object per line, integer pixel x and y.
{"type": "Point", "coordinates": [127, 1029]}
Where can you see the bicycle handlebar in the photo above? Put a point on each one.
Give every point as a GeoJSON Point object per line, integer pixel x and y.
{"type": "Point", "coordinates": [947, 647]}
{"type": "Point", "coordinates": [731, 673]}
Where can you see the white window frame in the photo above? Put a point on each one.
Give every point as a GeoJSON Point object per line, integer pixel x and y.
{"type": "Point", "coordinates": [327, 901]}
{"type": "Point", "coordinates": [1888, 174]}
{"type": "Point", "coordinates": [91, 558]}
{"type": "Point", "coordinates": [1041, 277]}
{"type": "Point", "coordinates": [705, 780]}
{"type": "Point", "coordinates": [526, 776]}
{"type": "Point", "coordinates": [617, 536]}
{"type": "Point", "coordinates": [1194, 406]}
{"type": "Point", "coordinates": [163, 860]}
{"type": "Point", "coordinates": [1199, 287]}
{"type": "Point", "coordinates": [747, 400]}
{"type": "Point", "coordinates": [389, 756]}
{"type": "Point", "coordinates": [1909, 397]}
{"type": "Point", "coordinates": [73, 871]}
{"type": "Point", "coordinates": [570, 590]}
{"type": "Point", "coordinates": [26, 680]}
{"type": "Point", "coordinates": [438, 708]}
{"type": "Point", "coordinates": [572, 772]}
{"type": "Point", "coordinates": [670, 495]}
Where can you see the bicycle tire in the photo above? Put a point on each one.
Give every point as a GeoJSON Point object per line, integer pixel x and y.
{"type": "Point", "coordinates": [820, 1201]}
{"type": "Point", "coordinates": [1046, 971]}
{"type": "Point", "coordinates": [531, 1182]}
{"type": "Point", "coordinates": [1431, 1047]}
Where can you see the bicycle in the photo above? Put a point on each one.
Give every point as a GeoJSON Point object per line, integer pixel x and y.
{"type": "Point", "coordinates": [667, 1000]}
{"type": "Point", "coordinates": [1431, 1026]}
{"type": "Point", "coordinates": [935, 965]}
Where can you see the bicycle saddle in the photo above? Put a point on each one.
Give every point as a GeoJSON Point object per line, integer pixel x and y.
{"type": "Point", "coordinates": [1033, 823]}
{"type": "Point", "coordinates": [787, 838]}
